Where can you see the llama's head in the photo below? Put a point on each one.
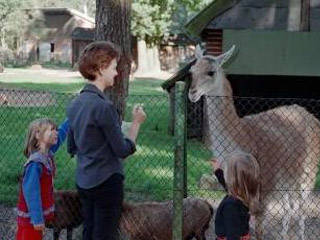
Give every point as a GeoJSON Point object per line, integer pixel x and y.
{"type": "Point", "coordinates": [205, 74]}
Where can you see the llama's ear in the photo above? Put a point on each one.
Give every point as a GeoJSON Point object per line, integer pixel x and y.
{"type": "Point", "coordinates": [198, 52]}
{"type": "Point", "coordinates": [225, 57]}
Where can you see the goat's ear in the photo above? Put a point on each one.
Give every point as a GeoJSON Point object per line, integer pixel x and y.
{"type": "Point", "coordinates": [198, 52]}
{"type": "Point", "coordinates": [225, 56]}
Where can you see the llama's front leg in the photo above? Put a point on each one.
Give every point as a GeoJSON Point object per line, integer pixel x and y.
{"type": "Point", "coordinates": [201, 235]}
{"type": "Point", "coordinates": [302, 226]}
{"type": "Point", "coordinates": [69, 233]}
{"type": "Point", "coordinates": [302, 215]}
{"type": "Point", "coordinates": [56, 234]}
{"type": "Point", "coordinates": [286, 217]}
{"type": "Point", "coordinates": [258, 227]}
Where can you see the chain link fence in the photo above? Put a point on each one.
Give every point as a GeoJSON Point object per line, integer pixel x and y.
{"type": "Point", "coordinates": [284, 136]}
{"type": "Point", "coordinates": [285, 141]}
{"type": "Point", "coordinates": [149, 172]}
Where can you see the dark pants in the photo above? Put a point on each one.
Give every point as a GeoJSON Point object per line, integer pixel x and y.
{"type": "Point", "coordinates": [101, 209]}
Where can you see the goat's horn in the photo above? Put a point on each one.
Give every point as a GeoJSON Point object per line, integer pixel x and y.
{"type": "Point", "coordinates": [198, 52]}
{"type": "Point", "coordinates": [225, 57]}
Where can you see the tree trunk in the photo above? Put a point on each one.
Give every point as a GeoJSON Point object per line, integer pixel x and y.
{"type": "Point", "coordinates": [113, 24]}
{"type": "Point", "coordinates": [143, 63]}
{"type": "Point", "coordinates": [156, 59]}
{"type": "Point", "coordinates": [148, 58]}
{"type": "Point", "coordinates": [85, 7]}
{"type": "Point", "coordinates": [305, 16]}
{"type": "Point", "coordinates": [3, 40]}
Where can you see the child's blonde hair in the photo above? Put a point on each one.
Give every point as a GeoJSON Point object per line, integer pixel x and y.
{"type": "Point", "coordinates": [36, 127]}
{"type": "Point", "coordinates": [243, 179]}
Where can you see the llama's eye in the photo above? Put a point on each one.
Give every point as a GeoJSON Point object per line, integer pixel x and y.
{"type": "Point", "coordinates": [210, 73]}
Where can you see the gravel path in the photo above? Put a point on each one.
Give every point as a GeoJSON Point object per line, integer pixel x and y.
{"type": "Point", "coordinates": [25, 98]}
{"type": "Point", "coordinates": [273, 226]}
{"type": "Point", "coordinates": [8, 227]}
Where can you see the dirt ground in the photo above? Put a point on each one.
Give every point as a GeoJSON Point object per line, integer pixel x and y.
{"type": "Point", "coordinates": [43, 75]}
{"type": "Point", "coordinates": [272, 227]}
{"type": "Point", "coordinates": [8, 227]}
{"type": "Point", "coordinates": [24, 98]}
{"type": "Point", "coordinates": [15, 75]}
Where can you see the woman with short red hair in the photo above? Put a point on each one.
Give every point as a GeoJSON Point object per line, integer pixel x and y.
{"type": "Point", "coordinates": [96, 139]}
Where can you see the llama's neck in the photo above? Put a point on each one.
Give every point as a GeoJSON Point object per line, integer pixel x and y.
{"type": "Point", "coordinates": [223, 123]}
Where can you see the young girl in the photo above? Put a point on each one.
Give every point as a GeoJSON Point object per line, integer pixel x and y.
{"type": "Point", "coordinates": [36, 203]}
{"type": "Point", "coordinates": [242, 183]}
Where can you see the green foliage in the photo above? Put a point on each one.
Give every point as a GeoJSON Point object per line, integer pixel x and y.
{"type": "Point", "coordinates": [184, 11]}
{"type": "Point", "coordinates": [7, 7]}
{"type": "Point", "coordinates": [12, 22]}
{"type": "Point", "coordinates": [56, 65]}
{"type": "Point", "coordinates": [151, 19]}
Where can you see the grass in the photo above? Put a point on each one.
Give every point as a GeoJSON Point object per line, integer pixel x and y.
{"type": "Point", "coordinates": [56, 65]}
{"type": "Point", "coordinates": [149, 172]}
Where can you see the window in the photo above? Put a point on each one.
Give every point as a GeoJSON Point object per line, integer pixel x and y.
{"type": "Point", "coordinates": [52, 47]}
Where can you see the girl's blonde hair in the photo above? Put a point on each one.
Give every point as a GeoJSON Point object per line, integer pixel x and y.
{"type": "Point", "coordinates": [243, 179]}
{"type": "Point", "coordinates": [36, 127]}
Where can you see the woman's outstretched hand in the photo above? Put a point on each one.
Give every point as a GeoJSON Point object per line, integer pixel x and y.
{"type": "Point", "coordinates": [138, 117]}
{"type": "Point", "coordinates": [138, 114]}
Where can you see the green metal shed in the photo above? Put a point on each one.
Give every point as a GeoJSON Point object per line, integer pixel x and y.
{"type": "Point", "coordinates": [277, 42]}
{"type": "Point", "coordinates": [271, 36]}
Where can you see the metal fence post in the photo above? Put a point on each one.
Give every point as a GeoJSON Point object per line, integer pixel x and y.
{"type": "Point", "coordinates": [179, 171]}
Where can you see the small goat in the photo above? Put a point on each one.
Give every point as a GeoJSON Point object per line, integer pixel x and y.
{"type": "Point", "coordinates": [139, 221]}
{"type": "Point", "coordinates": [67, 213]}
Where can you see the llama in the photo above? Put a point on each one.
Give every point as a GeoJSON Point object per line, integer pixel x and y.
{"type": "Point", "coordinates": [285, 140]}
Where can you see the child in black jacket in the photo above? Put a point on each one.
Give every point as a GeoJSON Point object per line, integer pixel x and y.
{"type": "Point", "coordinates": [242, 183]}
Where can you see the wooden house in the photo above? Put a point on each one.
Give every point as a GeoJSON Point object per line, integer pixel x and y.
{"type": "Point", "coordinates": [81, 37]}
{"type": "Point", "coordinates": [277, 54]}
{"type": "Point", "coordinates": [51, 41]}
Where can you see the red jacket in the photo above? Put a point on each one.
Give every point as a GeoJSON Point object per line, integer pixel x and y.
{"type": "Point", "coordinates": [46, 189]}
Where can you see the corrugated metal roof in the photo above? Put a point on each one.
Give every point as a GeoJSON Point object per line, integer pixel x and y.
{"type": "Point", "coordinates": [196, 25]}
{"type": "Point", "coordinates": [178, 76]}
{"type": "Point", "coordinates": [249, 14]}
